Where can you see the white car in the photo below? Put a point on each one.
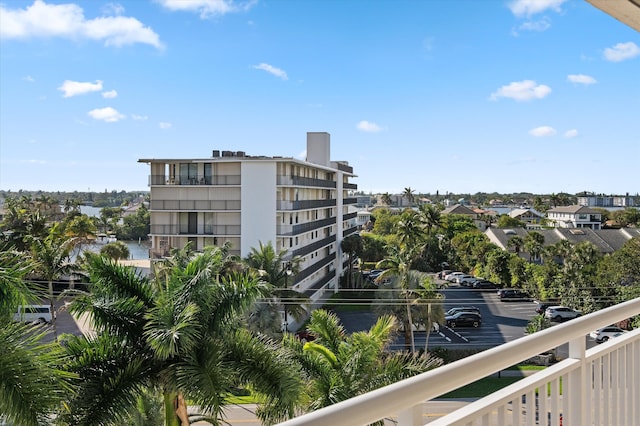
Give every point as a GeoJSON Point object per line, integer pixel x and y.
{"type": "Point", "coordinates": [452, 276]}
{"type": "Point", "coordinates": [605, 333]}
{"type": "Point", "coordinates": [561, 313]}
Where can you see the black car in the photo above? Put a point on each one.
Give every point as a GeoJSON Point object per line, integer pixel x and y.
{"type": "Point", "coordinates": [463, 319]}
{"type": "Point", "coordinates": [484, 284]}
{"type": "Point", "coordinates": [542, 306]}
{"type": "Point", "coordinates": [514, 294]}
{"type": "Point", "coordinates": [452, 311]}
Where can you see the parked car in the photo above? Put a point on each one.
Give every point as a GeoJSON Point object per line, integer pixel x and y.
{"type": "Point", "coordinates": [465, 280]}
{"type": "Point", "coordinates": [542, 306]}
{"type": "Point", "coordinates": [484, 285]}
{"type": "Point", "coordinates": [444, 273]}
{"type": "Point", "coordinates": [34, 313]}
{"type": "Point", "coordinates": [451, 277]}
{"type": "Point", "coordinates": [463, 319]}
{"type": "Point", "coordinates": [513, 294]}
{"type": "Point", "coordinates": [561, 313]}
{"type": "Point", "coordinates": [374, 274]}
{"type": "Point", "coordinates": [457, 309]}
{"type": "Point", "coordinates": [605, 333]}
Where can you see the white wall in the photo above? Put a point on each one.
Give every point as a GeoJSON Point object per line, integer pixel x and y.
{"type": "Point", "coordinates": [258, 198]}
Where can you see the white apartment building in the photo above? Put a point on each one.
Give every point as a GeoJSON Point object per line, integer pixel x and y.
{"type": "Point", "coordinates": [300, 206]}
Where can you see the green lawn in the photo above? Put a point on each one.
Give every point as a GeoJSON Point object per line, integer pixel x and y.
{"type": "Point", "coordinates": [482, 387]}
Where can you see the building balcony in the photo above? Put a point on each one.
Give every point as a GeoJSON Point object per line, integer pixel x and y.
{"type": "Point", "coordinates": [305, 181]}
{"type": "Point", "coordinates": [314, 268]}
{"type": "Point", "coordinates": [301, 228]}
{"type": "Point", "coordinates": [598, 386]}
{"type": "Point", "coordinates": [349, 231]}
{"type": "Point", "coordinates": [199, 230]}
{"type": "Point", "coordinates": [195, 205]}
{"type": "Point", "coordinates": [304, 204]}
{"type": "Point", "coordinates": [352, 200]}
{"type": "Point", "coordinates": [349, 216]}
{"type": "Point", "coordinates": [194, 180]}
{"type": "Point", "coordinates": [314, 246]}
{"type": "Point", "coordinates": [347, 185]}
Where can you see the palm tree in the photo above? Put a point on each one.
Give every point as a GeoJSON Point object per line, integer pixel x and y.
{"type": "Point", "coordinates": [386, 199]}
{"type": "Point", "coordinates": [275, 270]}
{"type": "Point", "coordinates": [352, 245]}
{"type": "Point", "coordinates": [409, 194]}
{"type": "Point", "coordinates": [178, 334]}
{"type": "Point", "coordinates": [534, 245]}
{"type": "Point", "coordinates": [116, 250]}
{"type": "Point", "coordinates": [31, 383]}
{"type": "Point", "coordinates": [516, 242]}
{"type": "Point", "coordinates": [425, 303]}
{"type": "Point", "coordinates": [340, 366]}
{"type": "Point", "coordinates": [398, 265]}
{"type": "Point", "coordinates": [410, 230]}
{"type": "Point", "coordinates": [52, 257]}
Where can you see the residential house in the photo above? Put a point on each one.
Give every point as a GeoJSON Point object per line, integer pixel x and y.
{"type": "Point", "coordinates": [574, 217]}
{"type": "Point", "coordinates": [476, 217]}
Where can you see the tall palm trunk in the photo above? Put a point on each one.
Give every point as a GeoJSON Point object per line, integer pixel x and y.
{"type": "Point", "coordinates": [410, 320]}
{"type": "Point", "coordinates": [52, 308]}
{"type": "Point", "coordinates": [175, 410]}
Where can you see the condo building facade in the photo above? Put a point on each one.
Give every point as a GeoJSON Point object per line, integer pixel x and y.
{"type": "Point", "coordinates": [300, 206]}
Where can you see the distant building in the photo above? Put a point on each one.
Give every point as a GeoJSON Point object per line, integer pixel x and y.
{"type": "Point", "coordinates": [480, 223]}
{"type": "Point", "coordinates": [300, 206]}
{"type": "Point", "coordinates": [606, 201]}
{"type": "Point", "coordinates": [530, 217]}
{"type": "Point", "coordinates": [574, 217]}
{"type": "Point", "coordinates": [605, 240]}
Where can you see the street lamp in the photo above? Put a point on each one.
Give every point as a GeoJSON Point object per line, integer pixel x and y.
{"type": "Point", "coordinates": [288, 272]}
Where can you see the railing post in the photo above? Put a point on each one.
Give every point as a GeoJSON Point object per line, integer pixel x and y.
{"type": "Point", "coordinates": [576, 391]}
{"type": "Point", "coordinates": [411, 416]}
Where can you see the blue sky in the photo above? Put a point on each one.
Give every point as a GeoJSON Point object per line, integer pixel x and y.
{"type": "Point", "coordinates": [452, 96]}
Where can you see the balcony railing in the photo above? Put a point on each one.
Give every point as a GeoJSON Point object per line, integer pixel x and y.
{"type": "Point", "coordinates": [599, 386]}
{"type": "Point", "coordinates": [315, 267]}
{"type": "Point", "coordinates": [301, 228]}
{"type": "Point", "coordinates": [314, 246]}
{"type": "Point", "coordinates": [199, 230]}
{"type": "Point", "coordinates": [304, 204]}
{"type": "Point", "coordinates": [305, 181]}
{"type": "Point", "coordinates": [195, 205]}
{"type": "Point", "coordinates": [350, 201]}
{"type": "Point", "coordinates": [349, 185]}
{"type": "Point", "coordinates": [195, 180]}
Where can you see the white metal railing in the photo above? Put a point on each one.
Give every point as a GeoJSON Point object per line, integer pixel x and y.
{"type": "Point", "coordinates": [600, 386]}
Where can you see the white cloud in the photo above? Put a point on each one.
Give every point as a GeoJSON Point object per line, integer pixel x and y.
{"type": "Point", "coordinates": [35, 162]}
{"type": "Point", "coordinates": [542, 131]}
{"type": "Point", "coordinates": [113, 9]}
{"type": "Point", "coordinates": [74, 88]}
{"type": "Point", "coordinates": [68, 21]}
{"type": "Point", "coordinates": [272, 70]}
{"type": "Point", "coordinates": [164, 125]}
{"type": "Point", "coordinates": [522, 91]}
{"type": "Point", "coordinates": [621, 52]}
{"type": "Point", "coordinates": [367, 126]}
{"type": "Point", "coordinates": [109, 94]}
{"type": "Point", "coordinates": [207, 8]}
{"type": "Point", "coordinates": [139, 117]}
{"type": "Point", "coordinates": [28, 79]}
{"type": "Point", "coordinates": [570, 134]}
{"type": "Point", "coordinates": [532, 7]}
{"type": "Point", "coordinates": [581, 79]}
{"type": "Point", "coordinates": [540, 25]}
{"type": "Point", "coordinates": [302, 155]}
{"type": "Point", "coordinates": [107, 114]}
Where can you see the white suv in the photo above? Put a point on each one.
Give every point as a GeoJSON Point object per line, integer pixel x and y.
{"type": "Point", "coordinates": [605, 333]}
{"type": "Point", "coordinates": [561, 313]}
